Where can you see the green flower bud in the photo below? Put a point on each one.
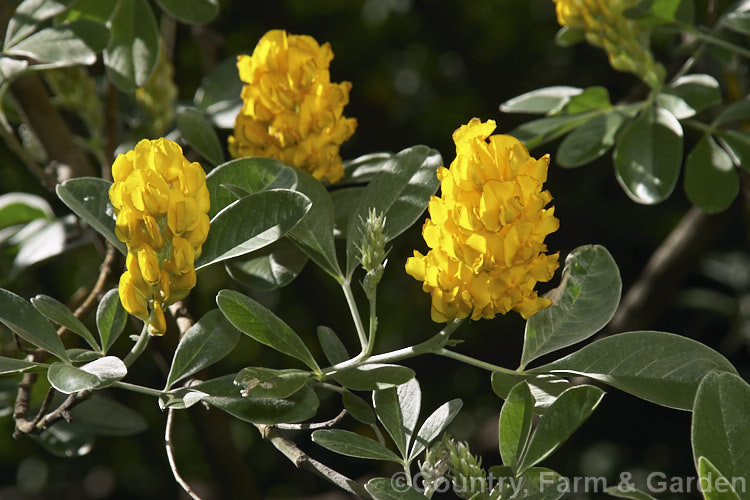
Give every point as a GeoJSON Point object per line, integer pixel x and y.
{"type": "Point", "coordinates": [372, 251]}
{"type": "Point", "coordinates": [434, 468]}
{"type": "Point", "coordinates": [465, 469]}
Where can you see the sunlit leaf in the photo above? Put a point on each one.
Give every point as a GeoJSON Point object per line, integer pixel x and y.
{"type": "Point", "coordinates": [70, 44]}
{"type": "Point", "coordinates": [540, 101]}
{"type": "Point", "coordinates": [583, 304]}
{"type": "Point", "coordinates": [663, 368]}
{"type": "Point", "coordinates": [133, 49]}
{"type": "Point", "coordinates": [648, 156]}
{"type": "Point", "coordinates": [97, 374]}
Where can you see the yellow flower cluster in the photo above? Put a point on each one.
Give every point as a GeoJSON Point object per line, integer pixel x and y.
{"type": "Point", "coordinates": [486, 232]}
{"type": "Point", "coordinates": [291, 110]}
{"type": "Point", "coordinates": [161, 203]}
{"type": "Point", "coordinates": [625, 41]}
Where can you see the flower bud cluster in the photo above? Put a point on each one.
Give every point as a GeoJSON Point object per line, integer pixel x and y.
{"type": "Point", "coordinates": [463, 469]}
{"type": "Point", "coordinates": [625, 41]}
{"type": "Point", "coordinates": [161, 206]}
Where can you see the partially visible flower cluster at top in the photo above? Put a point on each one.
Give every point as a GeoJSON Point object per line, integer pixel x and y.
{"type": "Point", "coordinates": [626, 41]}
{"type": "Point", "coordinates": [291, 110]}
{"type": "Point", "coordinates": [161, 204]}
{"type": "Point", "coordinates": [486, 231]}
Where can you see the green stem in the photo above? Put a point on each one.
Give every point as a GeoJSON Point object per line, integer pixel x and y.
{"type": "Point", "coordinates": [407, 471]}
{"type": "Point", "coordinates": [430, 345]}
{"type": "Point", "coordinates": [138, 388]}
{"type": "Point", "coordinates": [373, 328]}
{"type": "Point", "coordinates": [475, 362]}
{"type": "Point", "coordinates": [346, 287]}
{"type": "Point", "coordinates": [331, 387]}
{"type": "Point", "coordinates": [138, 348]}
{"type": "Point", "coordinates": [706, 129]}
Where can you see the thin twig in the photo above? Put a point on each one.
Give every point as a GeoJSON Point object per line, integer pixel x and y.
{"type": "Point", "coordinates": [170, 457]}
{"type": "Point", "coordinates": [43, 409]}
{"type": "Point", "coordinates": [63, 411]}
{"type": "Point", "coordinates": [313, 426]}
{"type": "Point", "coordinates": [303, 461]}
{"type": "Point", "coordinates": [97, 292]}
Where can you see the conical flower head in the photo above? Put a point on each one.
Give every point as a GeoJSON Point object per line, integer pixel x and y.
{"type": "Point", "coordinates": [161, 207]}
{"type": "Point", "coordinates": [486, 231]}
{"type": "Point", "coordinates": [291, 110]}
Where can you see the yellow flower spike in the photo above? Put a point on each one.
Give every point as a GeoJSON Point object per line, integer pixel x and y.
{"type": "Point", "coordinates": [161, 205]}
{"type": "Point", "coordinates": [291, 111]}
{"type": "Point", "coordinates": [486, 231]}
{"type": "Point", "coordinates": [622, 38]}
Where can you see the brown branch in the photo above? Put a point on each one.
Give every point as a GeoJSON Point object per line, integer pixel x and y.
{"type": "Point", "coordinates": [45, 406]}
{"type": "Point", "coordinates": [668, 265]}
{"type": "Point", "coordinates": [21, 408]}
{"type": "Point", "coordinates": [99, 288]}
{"type": "Point", "coordinates": [170, 456]}
{"type": "Point", "coordinates": [48, 125]}
{"type": "Point", "coordinates": [303, 461]}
